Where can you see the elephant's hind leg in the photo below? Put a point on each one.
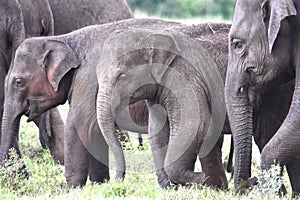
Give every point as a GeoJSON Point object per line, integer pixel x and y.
{"type": "Point", "coordinates": [213, 168]}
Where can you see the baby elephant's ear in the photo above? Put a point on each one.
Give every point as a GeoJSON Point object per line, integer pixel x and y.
{"type": "Point", "coordinates": [58, 60]}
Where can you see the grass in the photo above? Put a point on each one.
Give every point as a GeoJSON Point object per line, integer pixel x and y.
{"type": "Point", "coordinates": [188, 21]}
{"type": "Point", "coordinates": [46, 179]}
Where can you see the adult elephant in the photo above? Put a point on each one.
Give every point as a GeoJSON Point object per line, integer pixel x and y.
{"type": "Point", "coordinates": [18, 22]}
{"type": "Point", "coordinates": [70, 15]}
{"type": "Point", "coordinates": [264, 54]}
{"type": "Point", "coordinates": [25, 18]}
{"type": "Point", "coordinates": [63, 68]}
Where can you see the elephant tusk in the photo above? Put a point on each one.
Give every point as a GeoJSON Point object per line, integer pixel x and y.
{"type": "Point", "coordinates": [242, 89]}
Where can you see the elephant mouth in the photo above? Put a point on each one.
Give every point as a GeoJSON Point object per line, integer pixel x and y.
{"type": "Point", "coordinates": [27, 109]}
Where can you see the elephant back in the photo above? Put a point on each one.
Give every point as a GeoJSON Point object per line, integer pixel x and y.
{"type": "Point", "coordinates": [213, 37]}
{"type": "Point", "coordinates": [70, 15]}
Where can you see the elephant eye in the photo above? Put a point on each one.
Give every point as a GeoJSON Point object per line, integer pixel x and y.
{"type": "Point", "coordinates": [237, 45]}
{"type": "Point", "coordinates": [19, 83]}
{"type": "Point", "coordinates": [122, 76]}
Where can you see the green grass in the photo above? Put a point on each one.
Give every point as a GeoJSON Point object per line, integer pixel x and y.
{"type": "Point", "coordinates": [46, 179]}
{"type": "Point", "coordinates": [188, 21]}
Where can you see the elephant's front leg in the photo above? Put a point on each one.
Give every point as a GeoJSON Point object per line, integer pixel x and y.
{"type": "Point", "coordinates": [293, 167]}
{"type": "Point", "coordinates": [213, 168]}
{"type": "Point", "coordinates": [159, 138]}
{"type": "Point", "coordinates": [76, 156]}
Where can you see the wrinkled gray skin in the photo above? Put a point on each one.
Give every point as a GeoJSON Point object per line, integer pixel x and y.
{"type": "Point", "coordinates": [18, 22]}
{"type": "Point", "coordinates": [70, 15]}
{"type": "Point", "coordinates": [179, 171]}
{"type": "Point", "coordinates": [64, 68]}
{"type": "Point", "coordinates": [267, 117]}
{"type": "Point", "coordinates": [34, 18]}
{"type": "Point", "coordinates": [81, 79]}
{"type": "Point", "coordinates": [263, 55]}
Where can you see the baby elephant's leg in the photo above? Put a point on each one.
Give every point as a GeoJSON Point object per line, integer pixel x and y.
{"type": "Point", "coordinates": [213, 168]}
{"type": "Point", "coordinates": [76, 156]}
{"type": "Point", "coordinates": [98, 155]}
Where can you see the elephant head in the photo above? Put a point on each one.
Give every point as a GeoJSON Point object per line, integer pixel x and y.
{"type": "Point", "coordinates": [18, 22]}
{"type": "Point", "coordinates": [34, 84]}
{"type": "Point", "coordinates": [260, 53]}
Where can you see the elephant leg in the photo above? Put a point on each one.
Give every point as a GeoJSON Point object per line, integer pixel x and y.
{"type": "Point", "coordinates": [180, 166]}
{"type": "Point", "coordinates": [284, 145]}
{"type": "Point", "coordinates": [56, 140]}
{"type": "Point", "coordinates": [294, 175]}
{"type": "Point", "coordinates": [98, 171]}
{"type": "Point", "coordinates": [76, 156]}
{"type": "Point", "coordinates": [2, 79]}
{"type": "Point", "coordinates": [188, 127]}
{"type": "Point", "coordinates": [98, 156]}
{"type": "Point", "coordinates": [213, 168]}
{"type": "Point", "coordinates": [159, 139]}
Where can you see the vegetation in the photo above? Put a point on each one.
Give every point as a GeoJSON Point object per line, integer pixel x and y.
{"type": "Point", "coordinates": [43, 179]}
{"type": "Point", "coordinates": [185, 8]}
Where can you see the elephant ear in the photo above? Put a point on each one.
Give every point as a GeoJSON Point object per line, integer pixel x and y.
{"type": "Point", "coordinates": [58, 59]}
{"type": "Point", "coordinates": [277, 10]}
{"type": "Point", "coordinates": [163, 50]}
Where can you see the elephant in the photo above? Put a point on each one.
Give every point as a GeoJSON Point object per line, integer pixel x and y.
{"type": "Point", "coordinates": [42, 18]}
{"type": "Point", "coordinates": [268, 117]}
{"type": "Point", "coordinates": [147, 70]}
{"type": "Point", "coordinates": [77, 55]}
{"type": "Point", "coordinates": [70, 15]}
{"type": "Point", "coordinates": [63, 68]}
{"type": "Point", "coordinates": [264, 56]}
{"type": "Point", "coordinates": [17, 23]}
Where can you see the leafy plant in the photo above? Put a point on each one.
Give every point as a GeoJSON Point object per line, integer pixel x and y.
{"type": "Point", "coordinates": [13, 172]}
{"type": "Point", "coordinates": [269, 183]}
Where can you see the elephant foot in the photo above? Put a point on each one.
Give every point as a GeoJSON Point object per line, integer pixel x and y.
{"type": "Point", "coordinates": [119, 175]}
{"type": "Point", "coordinates": [163, 179]}
{"type": "Point", "coordinates": [100, 179]}
{"type": "Point", "coordinates": [252, 182]}
{"type": "Point", "coordinates": [76, 181]}
{"type": "Point", "coordinates": [216, 182]}
{"type": "Point", "coordinates": [199, 178]}
{"type": "Point", "coordinates": [165, 183]}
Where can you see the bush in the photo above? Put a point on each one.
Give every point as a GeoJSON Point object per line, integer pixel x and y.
{"type": "Point", "coordinates": [270, 182]}
{"type": "Point", "coordinates": [13, 173]}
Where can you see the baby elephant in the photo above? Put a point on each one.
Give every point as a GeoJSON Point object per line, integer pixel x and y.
{"type": "Point", "coordinates": [52, 70]}
{"type": "Point", "coordinates": [184, 92]}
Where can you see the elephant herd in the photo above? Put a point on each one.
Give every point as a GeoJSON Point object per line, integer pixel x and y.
{"type": "Point", "coordinates": [153, 76]}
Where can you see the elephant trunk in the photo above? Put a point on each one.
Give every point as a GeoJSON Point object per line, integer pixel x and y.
{"type": "Point", "coordinates": [240, 113]}
{"type": "Point", "coordinates": [10, 130]}
{"type": "Point", "coordinates": [107, 126]}
{"type": "Point", "coordinates": [51, 133]}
